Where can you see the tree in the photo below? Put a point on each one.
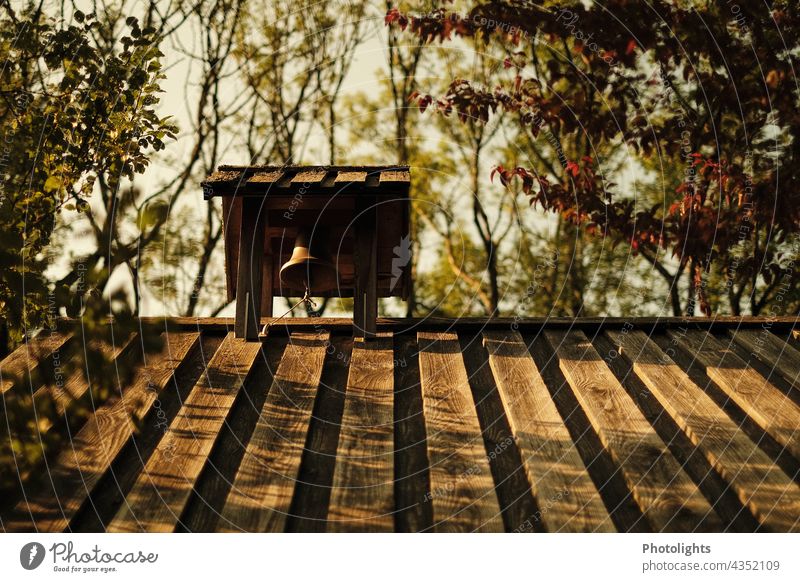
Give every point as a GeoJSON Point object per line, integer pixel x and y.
{"type": "Point", "coordinates": [77, 119]}
{"type": "Point", "coordinates": [639, 75]}
{"type": "Point", "coordinates": [270, 75]}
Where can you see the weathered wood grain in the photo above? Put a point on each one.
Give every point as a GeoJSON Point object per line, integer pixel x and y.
{"type": "Point", "coordinates": [556, 472]}
{"type": "Point", "coordinates": [521, 513]}
{"type": "Point", "coordinates": [350, 176]}
{"type": "Point", "coordinates": [312, 176]}
{"type": "Point", "coordinates": [400, 325]}
{"type": "Point", "coordinates": [76, 386]}
{"type": "Point", "coordinates": [261, 494]}
{"type": "Point", "coordinates": [308, 512]}
{"type": "Point", "coordinates": [772, 497]}
{"type": "Point", "coordinates": [363, 481]}
{"type": "Point", "coordinates": [78, 469]}
{"type": "Point", "coordinates": [62, 398]}
{"type": "Point", "coordinates": [772, 410]}
{"type": "Point", "coordinates": [395, 176]}
{"type": "Point", "coordinates": [23, 363]}
{"type": "Point", "coordinates": [160, 493]}
{"type": "Point", "coordinates": [333, 466]}
{"type": "Point", "coordinates": [268, 177]}
{"type": "Point", "coordinates": [411, 470]}
{"type": "Point", "coordinates": [774, 352]}
{"type": "Point", "coordinates": [669, 499]}
{"type": "Point", "coordinates": [462, 490]}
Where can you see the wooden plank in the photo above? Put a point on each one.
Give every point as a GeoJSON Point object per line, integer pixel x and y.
{"type": "Point", "coordinates": [558, 477]}
{"type": "Point", "coordinates": [480, 324]}
{"type": "Point", "coordinates": [350, 177]}
{"type": "Point", "coordinates": [668, 498]}
{"type": "Point", "coordinates": [511, 484]}
{"type": "Point", "coordinates": [308, 512]}
{"type": "Point", "coordinates": [362, 499]}
{"type": "Point", "coordinates": [261, 494]}
{"type": "Point", "coordinates": [76, 386]}
{"type": "Point", "coordinates": [767, 347]}
{"type": "Point", "coordinates": [23, 362]}
{"type": "Point", "coordinates": [78, 469]}
{"type": "Point", "coordinates": [162, 489]}
{"type": "Point", "coordinates": [265, 177]}
{"type": "Point", "coordinates": [220, 177]}
{"type": "Point", "coordinates": [772, 410]}
{"type": "Point", "coordinates": [772, 497]}
{"type": "Point", "coordinates": [395, 176]}
{"type": "Point", "coordinates": [61, 398]}
{"type": "Point", "coordinates": [462, 490]}
{"type": "Point", "coordinates": [313, 176]}
{"type": "Point", "coordinates": [413, 510]}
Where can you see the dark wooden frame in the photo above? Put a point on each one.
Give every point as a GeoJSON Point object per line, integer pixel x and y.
{"type": "Point", "coordinates": [259, 187]}
{"type": "Point", "coordinates": [252, 286]}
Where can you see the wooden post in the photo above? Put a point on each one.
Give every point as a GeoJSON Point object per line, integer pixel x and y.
{"type": "Point", "coordinates": [250, 274]}
{"type": "Point", "coordinates": [371, 298]}
{"type": "Point", "coordinates": [365, 295]}
{"type": "Point", "coordinates": [266, 285]}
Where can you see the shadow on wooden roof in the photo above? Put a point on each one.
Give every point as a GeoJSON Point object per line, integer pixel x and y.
{"type": "Point", "coordinates": [436, 425]}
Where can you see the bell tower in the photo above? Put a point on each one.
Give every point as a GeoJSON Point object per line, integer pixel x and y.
{"type": "Point", "coordinates": [323, 231]}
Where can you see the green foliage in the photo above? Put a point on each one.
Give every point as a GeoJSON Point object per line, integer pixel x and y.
{"type": "Point", "coordinates": [73, 116]}
{"type": "Point", "coordinates": [70, 115]}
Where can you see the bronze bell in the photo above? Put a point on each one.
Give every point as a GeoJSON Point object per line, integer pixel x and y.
{"type": "Point", "coordinates": [310, 266]}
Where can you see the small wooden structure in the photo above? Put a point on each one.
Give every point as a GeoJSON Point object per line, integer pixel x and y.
{"type": "Point", "coordinates": [529, 425]}
{"type": "Point", "coordinates": [363, 209]}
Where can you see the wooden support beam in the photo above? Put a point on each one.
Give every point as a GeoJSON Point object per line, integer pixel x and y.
{"type": "Point", "coordinates": [371, 306]}
{"type": "Point", "coordinates": [365, 297]}
{"type": "Point", "coordinates": [250, 273]}
{"type": "Point", "coordinates": [266, 287]}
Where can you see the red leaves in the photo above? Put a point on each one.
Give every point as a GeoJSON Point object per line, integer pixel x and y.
{"type": "Point", "coordinates": [424, 102]}
{"type": "Point", "coordinates": [435, 25]}
{"type": "Point", "coordinates": [506, 175]}
{"type": "Point", "coordinates": [394, 15]}
{"type": "Point", "coordinates": [573, 169]}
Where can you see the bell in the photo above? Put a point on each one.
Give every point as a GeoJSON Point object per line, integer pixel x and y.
{"type": "Point", "coordinates": [310, 266]}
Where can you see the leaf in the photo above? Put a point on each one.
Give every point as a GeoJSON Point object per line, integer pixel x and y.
{"type": "Point", "coordinates": [52, 183]}
{"type": "Point", "coordinates": [573, 169]}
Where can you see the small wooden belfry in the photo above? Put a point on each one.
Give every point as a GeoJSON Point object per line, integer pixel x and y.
{"type": "Point", "coordinates": [324, 231]}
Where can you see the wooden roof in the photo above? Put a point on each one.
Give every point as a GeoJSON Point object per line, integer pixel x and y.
{"type": "Point", "coordinates": [254, 180]}
{"type": "Point", "coordinates": [444, 425]}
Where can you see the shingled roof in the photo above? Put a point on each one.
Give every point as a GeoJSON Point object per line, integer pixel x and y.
{"type": "Point", "coordinates": [444, 425]}
{"type": "Point", "coordinates": [247, 180]}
